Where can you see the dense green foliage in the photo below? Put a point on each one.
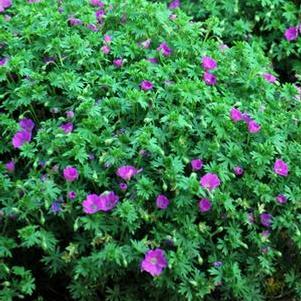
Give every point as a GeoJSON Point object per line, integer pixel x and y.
{"type": "Point", "coordinates": [62, 253]}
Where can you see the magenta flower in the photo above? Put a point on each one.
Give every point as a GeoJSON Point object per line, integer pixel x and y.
{"type": "Point", "coordinates": [291, 33]}
{"type": "Point", "coordinates": [70, 174]}
{"type": "Point", "coordinates": [107, 201]}
{"type": "Point", "coordinates": [70, 114]}
{"type": "Point", "coordinates": [154, 262]}
{"type": "Point", "coordinates": [74, 21]}
{"type": "Point", "coordinates": [96, 3]}
{"type": "Point", "coordinates": [196, 164]}
{"type": "Point", "coordinates": [266, 219]}
{"type": "Point", "coordinates": [10, 166]}
{"type": "Point", "coordinates": [91, 204]}
{"type": "Point", "coordinates": [210, 181]}
{"type": "Point", "coordinates": [153, 60]}
{"type": "Point", "coordinates": [126, 172]}
{"type": "Point", "coordinates": [162, 201]}
{"type": "Point", "coordinates": [164, 49]}
{"type": "Point", "coordinates": [235, 115]}
{"type": "Point", "coordinates": [269, 77]}
{"type": "Point", "coordinates": [145, 44]}
{"type": "Point", "coordinates": [20, 138]}
{"type": "Point", "coordinates": [71, 195]}
{"type": "Point", "coordinates": [208, 63]}
{"type": "Point", "coordinates": [67, 127]}
{"type": "Point", "coordinates": [123, 186]}
{"type": "Point", "coordinates": [281, 168]}
{"type": "Point", "coordinates": [246, 118]}
{"type": "Point", "coordinates": [99, 14]}
{"type": "Point", "coordinates": [105, 49]}
{"type": "Point", "coordinates": [205, 205]}
{"type": "Point", "coordinates": [27, 124]}
{"type": "Point", "coordinates": [118, 63]}
{"type": "Point", "coordinates": [146, 85]}
{"type": "Point", "coordinates": [174, 4]}
{"type": "Point", "coordinates": [238, 170]}
{"type": "Point", "coordinates": [281, 199]}
{"type": "Point", "coordinates": [209, 79]}
{"type": "Point", "coordinates": [3, 61]}
{"type": "Point", "coordinates": [92, 27]}
{"type": "Point", "coordinates": [107, 39]}
{"type": "Point", "coordinates": [4, 4]}
{"type": "Point", "coordinates": [253, 127]}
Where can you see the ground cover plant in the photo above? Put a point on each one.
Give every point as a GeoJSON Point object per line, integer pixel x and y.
{"type": "Point", "coordinates": [275, 24]}
{"type": "Point", "coordinates": [141, 159]}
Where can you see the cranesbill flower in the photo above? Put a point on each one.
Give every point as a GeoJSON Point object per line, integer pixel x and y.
{"type": "Point", "coordinates": [291, 33]}
{"type": "Point", "coordinates": [281, 168]}
{"type": "Point", "coordinates": [108, 201]}
{"type": "Point", "coordinates": [235, 115]}
{"type": "Point", "coordinates": [107, 39]}
{"type": "Point", "coordinates": [56, 207]}
{"type": "Point", "coordinates": [172, 17]}
{"type": "Point", "coordinates": [217, 264]}
{"type": "Point", "coordinates": [238, 170]}
{"type": "Point", "coordinates": [20, 138]}
{"type": "Point", "coordinates": [210, 181]}
{"type": "Point", "coordinates": [3, 61]}
{"type": "Point", "coordinates": [204, 205]}
{"type": "Point", "coordinates": [34, 1]}
{"type": "Point", "coordinates": [281, 199]}
{"type": "Point", "coordinates": [5, 4]}
{"type": "Point", "coordinates": [96, 3]}
{"type": "Point", "coordinates": [246, 118]}
{"type": "Point", "coordinates": [269, 77]}
{"type": "Point", "coordinates": [67, 127]}
{"type": "Point", "coordinates": [92, 27]}
{"type": "Point", "coordinates": [145, 44]}
{"type": "Point", "coordinates": [105, 49]}
{"type": "Point", "coordinates": [266, 219]}
{"type": "Point", "coordinates": [253, 127]}
{"type": "Point", "coordinates": [146, 85]}
{"type": "Point", "coordinates": [174, 4]}
{"type": "Point", "coordinates": [162, 201]}
{"type": "Point", "coordinates": [164, 49]}
{"type": "Point", "coordinates": [118, 63]}
{"type": "Point", "coordinates": [153, 60]}
{"type": "Point", "coordinates": [208, 63]}
{"type": "Point", "coordinates": [123, 186]}
{"type": "Point", "coordinates": [91, 204]}
{"type": "Point", "coordinates": [74, 21]}
{"type": "Point", "coordinates": [209, 79]}
{"type": "Point", "coordinates": [196, 164]}
{"type": "Point", "coordinates": [71, 195]}
{"type": "Point", "coordinates": [99, 14]}
{"type": "Point", "coordinates": [154, 262]}
{"type": "Point", "coordinates": [70, 114]}
{"type": "Point", "coordinates": [126, 172]}
{"type": "Point", "coordinates": [27, 124]}
{"type": "Point", "coordinates": [70, 174]}
{"type": "Point", "coordinates": [10, 166]}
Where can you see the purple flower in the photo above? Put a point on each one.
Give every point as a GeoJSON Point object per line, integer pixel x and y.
{"type": "Point", "coordinates": [20, 138]}
{"type": "Point", "coordinates": [74, 21]}
{"type": "Point", "coordinates": [146, 85]}
{"type": "Point", "coordinates": [70, 114]}
{"type": "Point", "coordinates": [164, 49]}
{"type": "Point", "coordinates": [235, 115]}
{"type": "Point", "coordinates": [204, 205]}
{"type": "Point", "coordinates": [3, 61]}
{"type": "Point", "coordinates": [281, 199]}
{"type": "Point", "coordinates": [153, 60]}
{"type": "Point", "coordinates": [67, 127]}
{"type": "Point", "coordinates": [209, 79]}
{"type": "Point", "coordinates": [10, 166]}
{"type": "Point", "coordinates": [5, 4]}
{"type": "Point", "coordinates": [107, 39]}
{"type": "Point", "coordinates": [71, 195]}
{"type": "Point", "coordinates": [96, 3]}
{"type": "Point", "coordinates": [107, 201]}
{"type": "Point", "coordinates": [154, 262]}
{"type": "Point", "coordinates": [253, 127]}
{"type": "Point", "coordinates": [123, 186]}
{"type": "Point", "coordinates": [246, 118]}
{"type": "Point", "coordinates": [91, 204]}
{"type": "Point", "coordinates": [145, 44]}
{"type": "Point", "coordinates": [269, 77]}
{"type": "Point", "coordinates": [291, 33]}
{"type": "Point", "coordinates": [118, 63]}
{"type": "Point", "coordinates": [265, 233]}
{"type": "Point", "coordinates": [70, 174]}
{"type": "Point", "coordinates": [208, 63]}
{"type": "Point", "coordinates": [281, 168]}
{"type": "Point", "coordinates": [162, 201]}
{"type": "Point", "coordinates": [126, 172]}
{"type": "Point", "coordinates": [266, 219]}
{"type": "Point", "coordinates": [27, 124]}
{"type": "Point", "coordinates": [238, 170]}
{"type": "Point", "coordinates": [174, 4]}
{"type": "Point", "coordinates": [92, 27]}
{"type": "Point", "coordinates": [217, 264]}
{"type": "Point", "coordinates": [55, 207]}
{"type": "Point", "coordinates": [196, 164]}
{"type": "Point", "coordinates": [99, 14]}
{"type": "Point", "coordinates": [210, 181]}
{"type": "Point", "coordinates": [105, 49]}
